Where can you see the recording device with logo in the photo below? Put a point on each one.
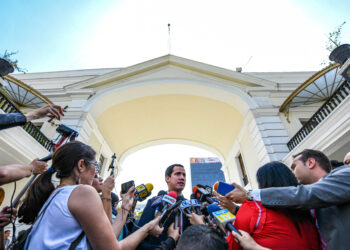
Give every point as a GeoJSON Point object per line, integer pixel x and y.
{"type": "Point", "coordinates": [186, 206]}
{"type": "Point", "coordinates": [223, 188]}
{"type": "Point", "coordinates": [202, 194]}
{"type": "Point", "coordinates": [143, 191]}
{"type": "Point", "coordinates": [223, 218]}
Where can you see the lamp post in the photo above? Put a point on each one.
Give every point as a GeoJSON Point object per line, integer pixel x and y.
{"type": "Point", "coordinates": [111, 166]}
{"type": "Point", "coordinates": [5, 67]}
{"type": "Point", "coordinates": [341, 55]}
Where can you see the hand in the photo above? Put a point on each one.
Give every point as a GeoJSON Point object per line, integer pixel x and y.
{"type": "Point", "coordinates": [5, 216]}
{"type": "Point", "coordinates": [49, 110]}
{"type": "Point", "coordinates": [108, 184]}
{"type": "Point", "coordinates": [195, 219]}
{"type": "Point", "coordinates": [128, 199]}
{"type": "Point", "coordinates": [246, 241]}
{"type": "Point", "coordinates": [226, 203]}
{"type": "Point", "coordinates": [38, 167]}
{"type": "Point", "coordinates": [154, 228]}
{"type": "Point", "coordinates": [238, 194]}
{"type": "Point", "coordinates": [174, 233]}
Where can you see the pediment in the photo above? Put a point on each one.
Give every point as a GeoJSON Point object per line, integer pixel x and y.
{"type": "Point", "coordinates": [172, 68]}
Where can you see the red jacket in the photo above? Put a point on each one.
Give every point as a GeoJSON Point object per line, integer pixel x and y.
{"type": "Point", "coordinates": [273, 228]}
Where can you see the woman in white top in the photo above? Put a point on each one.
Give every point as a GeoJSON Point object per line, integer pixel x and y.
{"type": "Point", "coordinates": [75, 208]}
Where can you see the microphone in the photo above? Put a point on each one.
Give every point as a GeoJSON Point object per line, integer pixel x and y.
{"type": "Point", "coordinates": [143, 191]}
{"type": "Point", "coordinates": [185, 206]}
{"type": "Point", "coordinates": [196, 204]}
{"type": "Point", "coordinates": [163, 202]}
{"type": "Point", "coordinates": [167, 212]}
{"type": "Point", "coordinates": [223, 188]}
{"type": "Point", "coordinates": [167, 206]}
{"type": "Point", "coordinates": [223, 218]}
{"type": "Point", "coordinates": [202, 195]}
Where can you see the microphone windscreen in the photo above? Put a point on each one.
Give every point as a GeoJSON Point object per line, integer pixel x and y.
{"type": "Point", "coordinates": [215, 187]}
{"type": "Point", "coordinates": [149, 187]}
{"type": "Point", "coordinates": [194, 189]}
{"type": "Point", "coordinates": [161, 192]}
{"type": "Point", "coordinates": [213, 208]}
{"type": "Point", "coordinates": [172, 194]}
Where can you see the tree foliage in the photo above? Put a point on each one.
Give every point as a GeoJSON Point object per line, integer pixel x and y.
{"type": "Point", "coordinates": [334, 38]}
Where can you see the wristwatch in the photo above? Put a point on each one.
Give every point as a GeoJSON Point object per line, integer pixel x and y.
{"type": "Point", "coordinates": [249, 195]}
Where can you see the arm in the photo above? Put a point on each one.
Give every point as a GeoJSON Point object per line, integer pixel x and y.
{"type": "Point", "coordinates": [170, 242]}
{"type": "Point", "coordinates": [12, 120]}
{"type": "Point", "coordinates": [331, 190]}
{"type": "Point", "coordinates": [134, 239]}
{"type": "Point", "coordinates": [127, 201]}
{"type": "Point", "coordinates": [107, 188]}
{"type": "Point", "coordinates": [247, 242]}
{"type": "Point", "coordinates": [85, 205]}
{"type": "Point", "coordinates": [14, 172]}
{"type": "Point", "coordinates": [50, 110]}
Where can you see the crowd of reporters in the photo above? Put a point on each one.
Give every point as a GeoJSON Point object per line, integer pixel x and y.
{"type": "Point", "coordinates": [70, 207]}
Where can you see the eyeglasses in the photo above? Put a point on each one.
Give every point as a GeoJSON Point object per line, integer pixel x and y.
{"type": "Point", "coordinates": [347, 162]}
{"type": "Point", "coordinates": [96, 164]}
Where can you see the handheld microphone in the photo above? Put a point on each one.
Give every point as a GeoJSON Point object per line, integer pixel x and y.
{"type": "Point", "coordinates": [185, 206]}
{"type": "Point", "coordinates": [167, 212]}
{"type": "Point", "coordinates": [143, 191]}
{"type": "Point", "coordinates": [165, 202]}
{"type": "Point", "coordinates": [223, 188]}
{"type": "Point", "coordinates": [223, 218]}
{"type": "Point", "coordinates": [202, 195]}
{"type": "Point", "coordinates": [197, 206]}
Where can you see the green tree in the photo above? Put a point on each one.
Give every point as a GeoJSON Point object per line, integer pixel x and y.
{"type": "Point", "coordinates": [333, 41]}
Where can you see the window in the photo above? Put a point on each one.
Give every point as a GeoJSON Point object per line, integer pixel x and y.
{"type": "Point", "coordinates": [243, 171]}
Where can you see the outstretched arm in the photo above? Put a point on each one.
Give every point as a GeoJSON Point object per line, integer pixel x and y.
{"type": "Point", "coordinates": [333, 189]}
{"type": "Point", "coordinates": [14, 172]}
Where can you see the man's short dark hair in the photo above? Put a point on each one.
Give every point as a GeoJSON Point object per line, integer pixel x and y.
{"type": "Point", "coordinates": [319, 157]}
{"type": "Point", "coordinates": [201, 237]}
{"type": "Point", "coordinates": [170, 169]}
{"type": "Point", "coordinates": [7, 231]}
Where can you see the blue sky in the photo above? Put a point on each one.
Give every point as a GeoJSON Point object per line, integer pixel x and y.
{"type": "Point", "coordinates": [275, 35]}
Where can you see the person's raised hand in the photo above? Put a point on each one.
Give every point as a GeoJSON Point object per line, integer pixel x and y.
{"type": "Point", "coordinates": [174, 232]}
{"type": "Point", "coordinates": [108, 184]}
{"type": "Point", "coordinates": [238, 194]}
{"type": "Point", "coordinates": [50, 110]}
{"type": "Point", "coordinates": [128, 199]}
{"type": "Point", "coordinates": [226, 203]}
{"type": "Point", "coordinates": [154, 228]}
{"type": "Point", "coordinates": [195, 219]}
{"type": "Point", "coordinates": [246, 241]}
{"type": "Point", "coordinates": [38, 167]}
{"type": "Point", "coordinates": [5, 215]}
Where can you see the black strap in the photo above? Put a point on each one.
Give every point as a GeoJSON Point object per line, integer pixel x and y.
{"type": "Point", "coordinates": [77, 241]}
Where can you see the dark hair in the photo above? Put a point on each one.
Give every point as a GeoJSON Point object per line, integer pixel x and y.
{"type": "Point", "coordinates": [276, 174]}
{"type": "Point", "coordinates": [170, 169]}
{"type": "Point", "coordinates": [201, 237]}
{"type": "Point", "coordinates": [64, 160]}
{"type": "Point", "coordinates": [319, 157]}
{"type": "Point", "coordinates": [7, 231]}
{"type": "Point", "coordinates": [114, 197]}
{"type": "Point", "coordinates": [336, 164]}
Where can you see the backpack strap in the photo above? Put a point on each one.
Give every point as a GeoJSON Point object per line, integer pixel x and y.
{"type": "Point", "coordinates": [41, 216]}
{"type": "Point", "coordinates": [76, 242]}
